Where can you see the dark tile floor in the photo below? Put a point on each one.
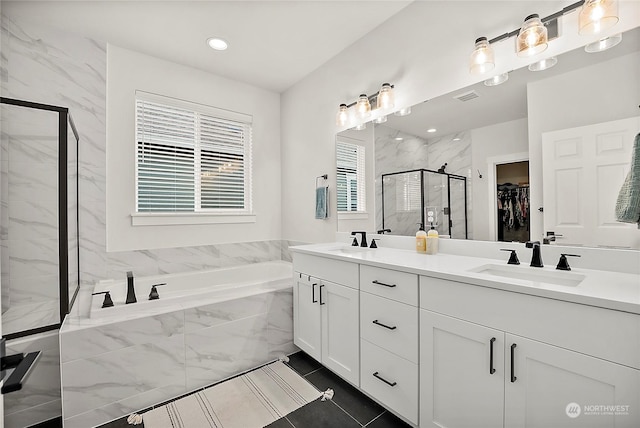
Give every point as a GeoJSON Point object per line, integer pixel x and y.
{"type": "Point", "coordinates": [349, 408]}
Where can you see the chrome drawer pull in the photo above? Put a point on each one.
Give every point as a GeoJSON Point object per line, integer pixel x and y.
{"type": "Point", "coordinates": [384, 380]}
{"type": "Point", "coordinates": [375, 281]}
{"type": "Point", "coordinates": [376, 322]}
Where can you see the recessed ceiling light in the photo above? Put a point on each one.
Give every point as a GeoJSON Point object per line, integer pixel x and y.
{"type": "Point", "coordinates": [217, 43]}
{"type": "Point", "coordinates": [456, 139]}
{"type": "Point", "coordinates": [398, 138]}
{"type": "Point", "coordinates": [431, 130]}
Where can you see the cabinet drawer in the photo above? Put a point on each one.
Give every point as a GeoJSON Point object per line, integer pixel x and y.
{"type": "Point", "coordinates": [337, 271]}
{"type": "Point", "coordinates": [399, 286]}
{"type": "Point", "coordinates": [401, 392]}
{"type": "Point", "coordinates": [395, 328]}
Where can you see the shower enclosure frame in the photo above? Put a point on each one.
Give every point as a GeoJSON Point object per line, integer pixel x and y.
{"type": "Point", "coordinates": [422, 213]}
{"type": "Point", "coordinates": [64, 120]}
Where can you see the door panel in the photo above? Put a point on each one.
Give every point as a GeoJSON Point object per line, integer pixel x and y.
{"type": "Point", "coordinates": [587, 166]}
{"type": "Point", "coordinates": [340, 330]}
{"type": "Point", "coordinates": [457, 389]}
{"type": "Point", "coordinates": [554, 387]}
{"type": "Point", "coordinates": [306, 313]}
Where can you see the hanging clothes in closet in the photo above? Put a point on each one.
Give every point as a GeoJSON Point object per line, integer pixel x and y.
{"type": "Point", "coordinates": [513, 212]}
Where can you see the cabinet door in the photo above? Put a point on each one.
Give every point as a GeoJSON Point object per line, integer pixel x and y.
{"type": "Point", "coordinates": [459, 387]}
{"type": "Point", "coordinates": [555, 387]}
{"type": "Point", "coordinates": [340, 330]}
{"type": "Point", "coordinates": [306, 315]}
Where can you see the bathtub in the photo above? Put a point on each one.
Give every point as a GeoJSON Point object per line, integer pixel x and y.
{"type": "Point", "coordinates": [190, 289]}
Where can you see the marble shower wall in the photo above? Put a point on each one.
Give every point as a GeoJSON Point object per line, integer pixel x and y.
{"type": "Point", "coordinates": [414, 152]}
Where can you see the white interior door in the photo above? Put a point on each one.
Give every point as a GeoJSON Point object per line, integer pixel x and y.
{"type": "Point", "coordinates": [584, 169]}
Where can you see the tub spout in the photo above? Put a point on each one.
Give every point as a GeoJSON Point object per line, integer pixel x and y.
{"type": "Point", "coordinates": [131, 292]}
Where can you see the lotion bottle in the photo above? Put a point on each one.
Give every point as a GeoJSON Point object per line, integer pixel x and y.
{"type": "Point", "coordinates": [421, 240]}
{"type": "Point", "coordinates": [432, 240]}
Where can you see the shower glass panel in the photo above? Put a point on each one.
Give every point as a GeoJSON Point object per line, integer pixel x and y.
{"type": "Point", "coordinates": [38, 216]}
{"type": "Point", "coordinates": [422, 196]}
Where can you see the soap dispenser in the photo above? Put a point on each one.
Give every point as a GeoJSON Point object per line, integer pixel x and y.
{"type": "Point", "coordinates": [432, 240]}
{"type": "Point", "coordinates": [421, 240]}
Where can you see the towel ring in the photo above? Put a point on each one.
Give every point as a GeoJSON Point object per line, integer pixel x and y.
{"type": "Point", "coordinates": [321, 177]}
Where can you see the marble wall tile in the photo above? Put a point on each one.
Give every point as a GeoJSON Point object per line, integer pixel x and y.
{"type": "Point", "coordinates": [95, 382]}
{"type": "Point", "coordinates": [34, 289]}
{"type": "Point", "coordinates": [231, 310]}
{"type": "Point", "coordinates": [91, 342]}
{"type": "Point", "coordinates": [177, 260]}
{"type": "Point", "coordinates": [34, 415]}
{"type": "Point", "coordinates": [28, 316]}
{"type": "Point", "coordinates": [215, 353]}
{"type": "Point", "coordinates": [280, 324]}
{"type": "Point", "coordinates": [34, 257]}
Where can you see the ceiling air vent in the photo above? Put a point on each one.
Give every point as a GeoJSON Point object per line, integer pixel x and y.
{"type": "Point", "coordinates": [466, 96]}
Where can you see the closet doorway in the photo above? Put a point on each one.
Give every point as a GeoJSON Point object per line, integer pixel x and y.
{"type": "Point", "coordinates": [512, 197]}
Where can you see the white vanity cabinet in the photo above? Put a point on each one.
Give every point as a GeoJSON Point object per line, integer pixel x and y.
{"type": "Point", "coordinates": [326, 313]}
{"type": "Point", "coordinates": [490, 358]}
{"type": "Point", "coordinates": [389, 339]}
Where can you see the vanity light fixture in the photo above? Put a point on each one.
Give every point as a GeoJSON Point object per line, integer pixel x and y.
{"type": "Point", "coordinates": [543, 64]}
{"type": "Point", "coordinates": [497, 80]}
{"type": "Point", "coordinates": [217, 43]}
{"type": "Point", "coordinates": [597, 16]}
{"type": "Point", "coordinates": [381, 119]}
{"type": "Point", "coordinates": [343, 115]}
{"type": "Point", "coordinates": [532, 38]}
{"type": "Point", "coordinates": [603, 44]}
{"type": "Point", "coordinates": [403, 112]}
{"type": "Point", "coordinates": [361, 126]}
{"type": "Point", "coordinates": [482, 58]}
{"type": "Point", "coordinates": [383, 99]}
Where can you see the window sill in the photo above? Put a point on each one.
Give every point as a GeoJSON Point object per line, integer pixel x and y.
{"type": "Point", "coordinates": [352, 216]}
{"type": "Point", "coordinates": [169, 219]}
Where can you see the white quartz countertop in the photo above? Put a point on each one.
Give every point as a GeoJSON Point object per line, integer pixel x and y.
{"type": "Point", "coordinates": [605, 289]}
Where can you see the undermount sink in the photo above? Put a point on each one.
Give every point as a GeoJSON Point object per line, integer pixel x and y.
{"type": "Point", "coordinates": [349, 249]}
{"type": "Point", "coordinates": [534, 275]}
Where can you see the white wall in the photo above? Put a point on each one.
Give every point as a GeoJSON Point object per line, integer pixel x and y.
{"type": "Point", "coordinates": [128, 71]}
{"type": "Point", "coordinates": [425, 55]}
{"type": "Point", "coordinates": [499, 140]}
{"type": "Point", "coordinates": [574, 99]}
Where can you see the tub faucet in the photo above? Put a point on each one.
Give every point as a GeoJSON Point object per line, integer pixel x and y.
{"type": "Point", "coordinates": [536, 257]}
{"type": "Point", "coordinates": [131, 292]}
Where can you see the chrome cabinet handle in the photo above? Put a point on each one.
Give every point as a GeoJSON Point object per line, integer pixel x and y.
{"type": "Point", "coordinates": [377, 376]}
{"type": "Point", "coordinates": [376, 322]}
{"type": "Point", "coordinates": [375, 281]}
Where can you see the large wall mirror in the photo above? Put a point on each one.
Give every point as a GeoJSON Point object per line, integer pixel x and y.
{"type": "Point", "coordinates": [471, 159]}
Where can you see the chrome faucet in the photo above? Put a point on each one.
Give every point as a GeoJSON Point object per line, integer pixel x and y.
{"type": "Point", "coordinates": [131, 291]}
{"type": "Point", "coordinates": [363, 240]}
{"type": "Point", "coordinates": [536, 257]}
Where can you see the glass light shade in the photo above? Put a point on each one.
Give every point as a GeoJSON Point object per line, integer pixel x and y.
{"type": "Point", "coordinates": [603, 44]}
{"type": "Point", "coordinates": [543, 64]}
{"type": "Point", "coordinates": [497, 80]}
{"type": "Point", "coordinates": [381, 119]}
{"type": "Point", "coordinates": [361, 127]}
{"type": "Point", "coordinates": [482, 58]}
{"type": "Point", "coordinates": [343, 116]}
{"type": "Point", "coordinates": [363, 107]}
{"type": "Point", "coordinates": [532, 38]}
{"type": "Point", "coordinates": [597, 16]}
{"type": "Point", "coordinates": [386, 97]}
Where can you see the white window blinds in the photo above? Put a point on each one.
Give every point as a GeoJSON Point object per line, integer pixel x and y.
{"type": "Point", "coordinates": [350, 184]}
{"type": "Point", "coordinates": [191, 158]}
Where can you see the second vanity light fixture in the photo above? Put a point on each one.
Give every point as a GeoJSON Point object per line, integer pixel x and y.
{"type": "Point", "coordinates": [383, 99]}
{"type": "Point", "coordinates": [595, 17]}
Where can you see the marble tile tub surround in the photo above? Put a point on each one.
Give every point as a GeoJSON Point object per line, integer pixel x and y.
{"type": "Point", "coordinates": [117, 368]}
{"type": "Point", "coordinates": [606, 259]}
{"type": "Point", "coordinates": [39, 399]}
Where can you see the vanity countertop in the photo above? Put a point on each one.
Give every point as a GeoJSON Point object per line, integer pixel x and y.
{"type": "Point", "coordinates": [605, 289]}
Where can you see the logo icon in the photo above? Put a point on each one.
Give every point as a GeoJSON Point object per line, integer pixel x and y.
{"type": "Point", "coordinates": [573, 410]}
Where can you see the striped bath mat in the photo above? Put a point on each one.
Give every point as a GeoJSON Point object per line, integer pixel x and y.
{"type": "Point", "coordinates": [252, 400]}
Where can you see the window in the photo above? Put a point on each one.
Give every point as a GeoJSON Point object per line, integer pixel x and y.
{"type": "Point", "coordinates": [350, 183]}
{"type": "Point", "coordinates": [408, 192]}
{"type": "Point", "coordinates": [191, 158]}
